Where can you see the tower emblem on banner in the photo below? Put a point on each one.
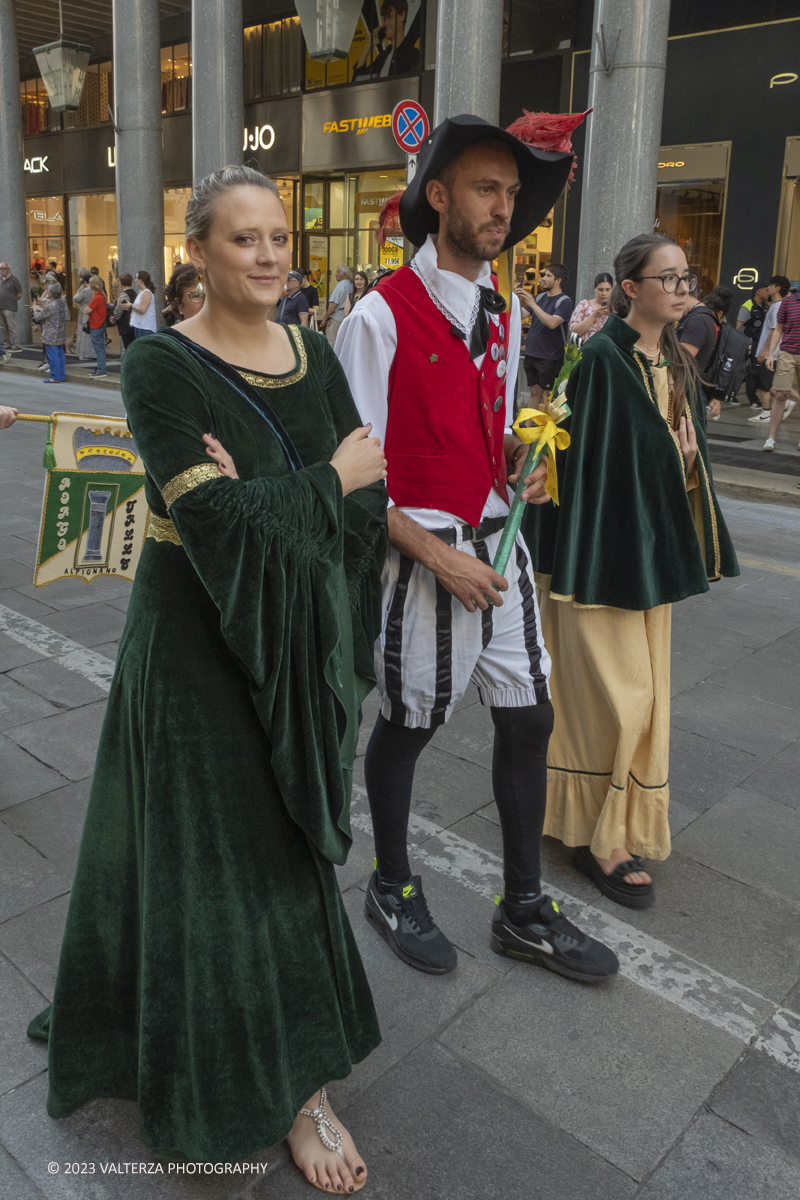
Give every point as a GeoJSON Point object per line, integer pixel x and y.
{"type": "Point", "coordinates": [94, 515]}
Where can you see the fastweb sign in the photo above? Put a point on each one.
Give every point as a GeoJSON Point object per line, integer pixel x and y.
{"type": "Point", "coordinates": [358, 124]}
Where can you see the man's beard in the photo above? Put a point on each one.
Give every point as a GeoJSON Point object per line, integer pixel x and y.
{"type": "Point", "coordinates": [467, 242]}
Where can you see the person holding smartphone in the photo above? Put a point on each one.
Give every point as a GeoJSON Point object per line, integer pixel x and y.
{"type": "Point", "coordinates": [544, 347]}
{"type": "Point", "coordinates": [591, 315]}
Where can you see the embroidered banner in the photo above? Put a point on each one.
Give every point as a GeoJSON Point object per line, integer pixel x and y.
{"type": "Point", "coordinates": [94, 515]}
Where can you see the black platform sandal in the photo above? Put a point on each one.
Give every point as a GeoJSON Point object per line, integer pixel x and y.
{"type": "Point", "coordinates": [632, 895]}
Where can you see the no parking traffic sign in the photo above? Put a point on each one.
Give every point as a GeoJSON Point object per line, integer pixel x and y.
{"type": "Point", "coordinates": [409, 125]}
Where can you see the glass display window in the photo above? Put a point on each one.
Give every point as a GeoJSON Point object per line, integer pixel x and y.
{"type": "Point", "coordinates": [175, 202]}
{"type": "Point", "coordinates": [273, 59]}
{"type": "Point", "coordinates": [93, 239]}
{"type": "Point", "coordinates": [690, 205]}
{"type": "Point", "coordinates": [176, 77]}
{"type": "Point", "coordinates": [37, 115]}
{"type": "Point", "coordinates": [45, 215]}
{"type": "Point", "coordinates": [387, 42]}
{"type": "Point", "coordinates": [313, 204]}
{"type": "Point", "coordinates": [346, 209]}
{"type": "Point", "coordinates": [96, 98]}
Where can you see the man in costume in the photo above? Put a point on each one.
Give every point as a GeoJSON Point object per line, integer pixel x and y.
{"type": "Point", "coordinates": [431, 357]}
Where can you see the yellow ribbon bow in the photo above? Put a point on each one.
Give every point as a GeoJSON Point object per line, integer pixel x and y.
{"type": "Point", "coordinates": [544, 431]}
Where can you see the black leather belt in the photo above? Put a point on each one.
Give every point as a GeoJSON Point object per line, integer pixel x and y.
{"type": "Point", "coordinates": [469, 533]}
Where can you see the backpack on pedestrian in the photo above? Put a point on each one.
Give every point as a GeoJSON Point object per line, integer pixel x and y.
{"type": "Point", "coordinates": [725, 372]}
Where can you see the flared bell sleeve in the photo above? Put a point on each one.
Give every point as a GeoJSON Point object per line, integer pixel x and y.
{"type": "Point", "coordinates": [269, 551]}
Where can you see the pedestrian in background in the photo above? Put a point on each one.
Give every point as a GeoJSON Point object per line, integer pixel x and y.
{"type": "Point", "coordinates": [786, 334]}
{"type": "Point", "coordinates": [10, 296]}
{"type": "Point", "coordinates": [312, 296]}
{"type": "Point", "coordinates": [544, 347]}
{"type": "Point", "coordinates": [53, 316]}
{"type": "Point", "coordinates": [122, 311]}
{"type": "Point", "coordinates": [97, 311]}
{"type": "Point", "coordinates": [699, 332]}
{"type": "Point", "coordinates": [143, 311]}
{"type": "Point", "coordinates": [778, 287]}
{"type": "Point", "coordinates": [335, 312]}
{"type": "Point", "coordinates": [185, 294]}
{"type": "Point", "coordinates": [360, 286]}
{"type": "Point", "coordinates": [80, 342]}
{"type": "Point", "coordinates": [293, 306]}
{"type": "Point", "coordinates": [58, 275]}
{"type": "Point", "coordinates": [95, 272]}
{"type": "Point", "coordinates": [751, 321]}
{"type": "Point", "coordinates": [590, 316]}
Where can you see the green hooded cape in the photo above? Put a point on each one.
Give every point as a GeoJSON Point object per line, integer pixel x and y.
{"type": "Point", "coordinates": [208, 968]}
{"type": "Point", "coordinates": [625, 533]}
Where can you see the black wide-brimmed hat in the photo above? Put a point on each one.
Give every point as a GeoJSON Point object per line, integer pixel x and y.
{"type": "Point", "coordinates": [543, 175]}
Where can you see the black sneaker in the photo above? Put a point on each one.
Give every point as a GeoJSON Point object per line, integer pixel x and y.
{"type": "Point", "coordinates": [401, 917]}
{"type": "Point", "coordinates": [551, 941]}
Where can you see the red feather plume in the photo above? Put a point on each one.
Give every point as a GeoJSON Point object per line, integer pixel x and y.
{"type": "Point", "coordinates": [389, 219]}
{"type": "Point", "coordinates": [548, 131]}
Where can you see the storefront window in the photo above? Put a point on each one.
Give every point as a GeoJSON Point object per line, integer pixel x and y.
{"type": "Point", "coordinates": [387, 42]}
{"type": "Point", "coordinates": [273, 59]}
{"type": "Point", "coordinates": [37, 115]}
{"type": "Point", "coordinates": [175, 201]}
{"type": "Point", "coordinates": [533, 254]}
{"type": "Point", "coordinates": [176, 77]}
{"type": "Point", "coordinates": [371, 192]}
{"type": "Point", "coordinates": [313, 203]}
{"type": "Point", "coordinates": [690, 204]}
{"type": "Point", "coordinates": [344, 212]}
{"type": "Point", "coordinates": [45, 236]}
{"type": "Point", "coordinates": [96, 98]}
{"type": "Point", "coordinates": [93, 239]}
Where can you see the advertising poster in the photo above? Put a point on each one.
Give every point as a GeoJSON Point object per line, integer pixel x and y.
{"type": "Point", "coordinates": [318, 266]}
{"type": "Point", "coordinates": [386, 42]}
{"type": "Point", "coordinates": [391, 254]}
{"type": "Point", "coordinates": [94, 515]}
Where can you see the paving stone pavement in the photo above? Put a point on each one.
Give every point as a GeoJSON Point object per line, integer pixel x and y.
{"type": "Point", "coordinates": [680, 1078]}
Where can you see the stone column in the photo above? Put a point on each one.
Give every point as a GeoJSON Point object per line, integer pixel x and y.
{"type": "Point", "coordinates": [137, 95]}
{"type": "Point", "coordinates": [469, 38]}
{"type": "Point", "coordinates": [13, 210]}
{"type": "Point", "coordinates": [626, 91]}
{"type": "Point", "coordinates": [217, 85]}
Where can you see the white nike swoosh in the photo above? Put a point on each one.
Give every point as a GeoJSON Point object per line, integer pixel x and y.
{"type": "Point", "coordinates": [390, 921]}
{"type": "Point", "coordinates": [548, 949]}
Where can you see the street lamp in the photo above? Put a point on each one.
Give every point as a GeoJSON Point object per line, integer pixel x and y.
{"type": "Point", "coordinates": [328, 26]}
{"type": "Point", "coordinates": [62, 65]}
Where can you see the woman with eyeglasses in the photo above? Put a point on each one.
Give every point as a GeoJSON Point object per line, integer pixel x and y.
{"type": "Point", "coordinates": [185, 294]}
{"type": "Point", "coordinates": [638, 528]}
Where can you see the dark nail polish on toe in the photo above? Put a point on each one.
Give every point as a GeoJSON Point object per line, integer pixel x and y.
{"type": "Point", "coordinates": [359, 1170]}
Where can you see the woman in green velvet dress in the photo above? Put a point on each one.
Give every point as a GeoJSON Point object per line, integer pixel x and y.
{"type": "Point", "coordinates": [638, 528]}
{"type": "Point", "coordinates": [208, 968]}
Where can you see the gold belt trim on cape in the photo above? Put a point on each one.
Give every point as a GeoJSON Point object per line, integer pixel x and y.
{"type": "Point", "coordinates": [187, 480]}
{"type": "Point", "coordinates": [161, 529]}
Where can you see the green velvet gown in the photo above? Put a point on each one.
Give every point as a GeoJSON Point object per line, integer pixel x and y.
{"type": "Point", "coordinates": [208, 968]}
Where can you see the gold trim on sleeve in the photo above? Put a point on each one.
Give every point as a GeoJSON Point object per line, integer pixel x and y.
{"type": "Point", "coordinates": [187, 480]}
{"type": "Point", "coordinates": [276, 381]}
{"type": "Point", "coordinates": [161, 529]}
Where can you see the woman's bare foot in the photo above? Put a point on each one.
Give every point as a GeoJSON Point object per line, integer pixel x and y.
{"type": "Point", "coordinates": [325, 1168]}
{"type": "Point", "coordinates": [621, 856]}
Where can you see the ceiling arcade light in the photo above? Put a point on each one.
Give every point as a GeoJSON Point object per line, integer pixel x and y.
{"type": "Point", "coordinates": [328, 26]}
{"type": "Point", "coordinates": [62, 65]}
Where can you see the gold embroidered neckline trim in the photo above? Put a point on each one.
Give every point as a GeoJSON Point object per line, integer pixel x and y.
{"type": "Point", "coordinates": [161, 529]}
{"type": "Point", "coordinates": [187, 480]}
{"type": "Point", "coordinates": [277, 381]}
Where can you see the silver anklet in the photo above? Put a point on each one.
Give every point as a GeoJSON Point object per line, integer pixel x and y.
{"type": "Point", "coordinates": [323, 1123]}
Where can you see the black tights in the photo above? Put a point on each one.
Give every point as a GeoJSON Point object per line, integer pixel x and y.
{"type": "Point", "coordinates": [519, 779]}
